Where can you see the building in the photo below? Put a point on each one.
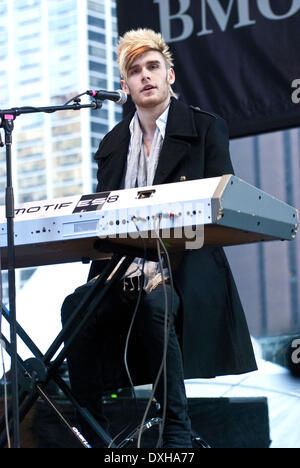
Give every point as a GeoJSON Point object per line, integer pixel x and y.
{"type": "Point", "coordinates": [51, 51]}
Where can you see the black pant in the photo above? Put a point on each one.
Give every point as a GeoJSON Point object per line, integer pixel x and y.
{"type": "Point", "coordinates": [86, 366]}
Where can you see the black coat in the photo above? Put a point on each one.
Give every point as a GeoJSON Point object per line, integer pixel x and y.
{"type": "Point", "coordinates": [213, 334]}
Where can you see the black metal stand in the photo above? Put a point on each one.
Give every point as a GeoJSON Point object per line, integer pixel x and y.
{"type": "Point", "coordinates": [35, 373]}
{"type": "Point", "coordinates": [8, 125]}
{"type": "Point", "coordinates": [7, 118]}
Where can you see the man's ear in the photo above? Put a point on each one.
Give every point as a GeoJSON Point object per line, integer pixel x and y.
{"type": "Point", "coordinates": [125, 87]}
{"type": "Point", "coordinates": [171, 76]}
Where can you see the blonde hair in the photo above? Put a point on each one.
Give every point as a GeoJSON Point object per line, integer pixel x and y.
{"type": "Point", "coordinates": [137, 42]}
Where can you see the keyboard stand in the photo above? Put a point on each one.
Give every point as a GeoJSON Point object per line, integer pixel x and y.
{"type": "Point", "coordinates": [35, 373]}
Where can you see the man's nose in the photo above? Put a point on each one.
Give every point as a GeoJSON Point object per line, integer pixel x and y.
{"type": "Point", "coordinates": [145, 74]}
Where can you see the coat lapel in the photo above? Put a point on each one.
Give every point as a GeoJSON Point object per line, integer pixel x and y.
{"type": "Point", "coordinates": [180, 131]}
{"type": "Point", "coordinates": [112, 157]}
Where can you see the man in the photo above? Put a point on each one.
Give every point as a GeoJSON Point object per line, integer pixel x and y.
{"type": "Point", "coordinates": [164, 141]}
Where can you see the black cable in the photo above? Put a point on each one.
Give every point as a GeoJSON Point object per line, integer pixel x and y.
{"type": "Point", "coordinates": [163, 366]}
{"type": "Point", "coordinates": [74, 98]}
{"type": "Point", "coordinates": [125, 359]}
{"type": "Point", "coordinates": [164, 358]}
{"type": "Point", "coordinates": [127, 340]}
{"type": "Point", "coordinates": [129, 333]}
{"type": "Point", "coordinates": [166, 335]}
{"type": "Point", "coordinates": [166, 331]}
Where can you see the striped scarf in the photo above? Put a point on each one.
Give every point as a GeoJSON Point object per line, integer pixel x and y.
{"type": "Point", "coordinates": [140, 172]}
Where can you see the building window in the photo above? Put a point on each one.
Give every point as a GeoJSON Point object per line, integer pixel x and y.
{"type": "Point", "coordinates": [97, 67]}
{"type": "Point", "coordinates": [94, 21]}
{"type": "Point", "coordinates": [97, 37]}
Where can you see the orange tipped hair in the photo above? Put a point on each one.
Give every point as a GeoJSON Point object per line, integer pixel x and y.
{"type": "Point", "coordinates": [133, 55]}
{"type": "Point", "coordinates": [137, 42]}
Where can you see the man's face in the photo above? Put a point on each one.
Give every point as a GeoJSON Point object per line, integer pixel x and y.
{"type": "Point", "coordinates": [148, 80]}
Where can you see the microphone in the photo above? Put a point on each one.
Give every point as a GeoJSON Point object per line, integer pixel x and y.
{"type": "Point", "coordinates": [119, 96]}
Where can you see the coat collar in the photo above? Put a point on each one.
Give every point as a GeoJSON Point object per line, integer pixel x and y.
{"type": "Point", "coordinates": [180, 120]}
{"type": "Point", "coordinates": [180, 130]}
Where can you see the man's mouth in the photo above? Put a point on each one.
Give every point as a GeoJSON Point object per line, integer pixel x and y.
{"type": "Point", "coordinates": [147, 88]}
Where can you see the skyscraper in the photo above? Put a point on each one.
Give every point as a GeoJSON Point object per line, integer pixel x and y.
{"type": "Point", "coordinates": [50, 51]}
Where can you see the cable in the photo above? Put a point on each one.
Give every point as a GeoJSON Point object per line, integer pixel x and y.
{"type": "Point", "coordinates": [166, 335]}
{"type": "Point", "coordinates": [127, 341]}
{"type": "Point", "coordinates": [166, 328]}
{"type": "Point", "coordinates": [125, 354]}
{"type": "Point", "coordinates": [164, 359]}
{"type": "Point", "coordinates": [74, 98]}
{"type": "Point", "coordinates": [163, 366]}
{"type": "Point", "coordinates": [130, 329]}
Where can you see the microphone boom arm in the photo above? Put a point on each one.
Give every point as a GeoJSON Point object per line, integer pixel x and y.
{"type": "Point", "coordinates": [16, 111]}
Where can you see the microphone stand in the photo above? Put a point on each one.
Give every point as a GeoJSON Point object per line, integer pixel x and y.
{"type": "Point", "coordinates": [7, 118]}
